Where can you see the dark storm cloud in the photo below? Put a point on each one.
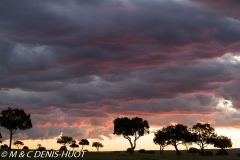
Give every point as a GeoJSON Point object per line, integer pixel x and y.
{"type": "Point", "coordinates": [228, 7]}
{"type": "Point", "coordinates": [100, 59]}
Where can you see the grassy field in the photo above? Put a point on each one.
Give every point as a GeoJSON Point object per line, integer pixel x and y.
{"type": "Point", "coordinates": [136, 156]}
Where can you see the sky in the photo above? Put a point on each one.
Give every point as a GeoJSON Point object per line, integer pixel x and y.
{"type": "Point", "coordinates": [75, 66]}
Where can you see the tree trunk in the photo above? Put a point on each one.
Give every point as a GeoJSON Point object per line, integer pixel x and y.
{"type": "Point", "coordinates": [161, 150]}
{"type": "Point", "coordinates": [223, 153]}
{"type": "Point", "coordinates": [82, 148]}
{"type": "Point", "coordinates": [202, 151]}
{"type": "Point", "coordinates": [178, 153]}
{"type": "Point", "coordinates": [10, 143]}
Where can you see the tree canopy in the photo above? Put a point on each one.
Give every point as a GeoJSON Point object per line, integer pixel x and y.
{"type": "Point", "coordinates": [222, 142]}
{"type": "Point", "coordinates": [18, 143]}
{"type": "Point", "coordinates": [97, 145]}
{"type": "Point", "coordinates": [160, 139]}
{"type": "Point", "coordinates": [83, 142]}
{"type": "Point", "coordinates": [174, 135]}
{"type": "Point", "coordinates": [205, 134]}
{"type": "Point", "coordinates": [135, 127]}
{"type": "Point", "coordinates": [74, 145]}
{"type": "Point", "coordinates": [13, 119]}
{"type": "Point", "coordinates": [65, 140]}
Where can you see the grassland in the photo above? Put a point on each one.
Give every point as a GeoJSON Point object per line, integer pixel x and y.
{"type": "Point", "coordinates": [136, 156]}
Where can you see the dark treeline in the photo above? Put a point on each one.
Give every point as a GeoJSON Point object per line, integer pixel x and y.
{"type": "Point", "coordinates": [200, 134]}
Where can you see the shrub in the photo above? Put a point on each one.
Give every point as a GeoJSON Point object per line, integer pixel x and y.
{"type": "Point", "coordinates": [41, 149]}
{"type": "Point", "coordinates": [25, 147]}
{"type": "Point", "coordinates": [142, 151]}
{"type": "Point", "coordinates": [193, 150]}
{"type": "Point", "coordinates": [222, 153]}
{"type": "Point", "coordinates": [129, 150]}
{"type": "Point", "coordinates": [5, 146]}
{"type": "Point", "coordinates": [63, 148]}
{"type": "Point", "coordinates": [85, 150]}
{"type": "Point", "coordinates": [208, 153]}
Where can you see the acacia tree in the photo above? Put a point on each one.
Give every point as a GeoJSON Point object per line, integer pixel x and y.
{"type": "Point", "coordinates": [74, 145]}
{"type": "Point", "coordinates": [97, 145]}
{"type": "Point", "coordinates": [83, 142]}
{"type": "Point", "coordinates": [65, 140]}
{"type": "Point", "coordinates": [160, 139]}
{"type": "Point", "coordinates": [222, 142]}
{"type": "Point", "coordinates": [205, 134]}
{"type": "Point", "coordinates": [18, 144]}
{"type": "Point", "coordinates": [175, 135]}
{"type": "Point", "coordinates": [135, 127]}
{"type": "Point", "coordinates": [13, 119]}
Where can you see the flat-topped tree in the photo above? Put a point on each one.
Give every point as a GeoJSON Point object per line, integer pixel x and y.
{"type": "Point", "coordinates": [18, 144]}
{"type": "Point", "coordinates": [135, 127]}
{"type": "Point", "coordinates": [74, 145]}
{"type": "Point", "coordinates": [97, 145]}
{"type": "Point", "coordinates": [83, 142]}
{"type": "Point", "coordinates": [13, 119]}
{"type": "Point", "coordinates": [65, 140]}
{"type": "Point", "coordinates": [204, 135]}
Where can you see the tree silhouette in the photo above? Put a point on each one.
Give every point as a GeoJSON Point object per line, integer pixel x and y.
{"type": "Point", "coordinates": [65, 140]}
{"type": "Point", "coordinates": [160, 139]}
{"type": "Point", "coordinates": [97, 145]}
{"type": "Point", "coordinates": [204, 135]}
{"type": "Point", "coordinates": [74, 145]}
{"type": "Point", "coordinates": [5, 146]}
{"type": "Point", "coordinates": [13, 119]}
{"type": "Point", "coordinates": [135, 127]}
{"type": "Point", "coordinates": [18, 144]}
{"type": "Point", "coordinates": [222, 142]}
{"type": "Point", "coordinates": [83, 142]}
{"type": "Point", "coordinates": [175, 135]}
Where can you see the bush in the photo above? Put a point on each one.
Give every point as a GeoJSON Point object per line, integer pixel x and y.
{"type": "Point", "coordinates": [85, 150]}
{"type": "Point", "coordinates": [25, 147]}
{"type": "Point", "coordinates": [150, 152]}
{"type": "Point", "coordinates": [63, 148]}
{"type": "Point", "coordinates": [142, 151]}
{"type": "Point", "coordinates": [5, 146]}
{"type": "Point", "coordinates": [129, 150]}
{"type": "Point", "coordinates": [222, 153]}
{"type": "Point", "coordinates": [208, 153]}
{"type": "Point", "coordinates": [193, 150]}
{"type": "Point", "coordinates": [41, 148]}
